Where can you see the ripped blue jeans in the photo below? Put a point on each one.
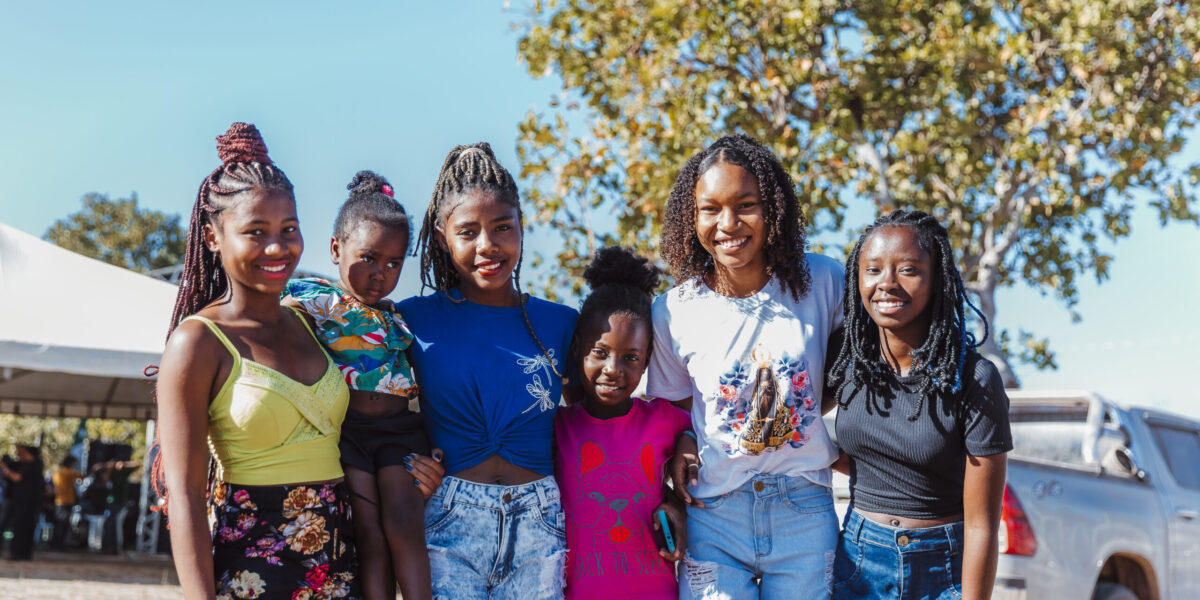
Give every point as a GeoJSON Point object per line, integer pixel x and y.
{"type": "Point", "coordinates": [496, 542]}
{"type": "Point", "coordinates": [772, 538]}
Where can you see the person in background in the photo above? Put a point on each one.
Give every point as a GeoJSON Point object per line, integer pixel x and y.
{"type": "Point", "coordinates": [63, 479]}
{"type": "Point", "coordinates": [28, 487]}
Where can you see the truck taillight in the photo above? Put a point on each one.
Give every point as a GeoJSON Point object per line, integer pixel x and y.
{"type": "Point", "coordinates": [1016, 535]}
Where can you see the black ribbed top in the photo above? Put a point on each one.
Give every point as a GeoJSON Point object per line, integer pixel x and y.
{"type": "Point", "coordinates": [915, 468]}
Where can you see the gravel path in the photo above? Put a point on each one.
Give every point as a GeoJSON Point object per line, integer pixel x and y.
{"type": "Point", "coordinates": [57, 589]}
{"type": "Point", "coordinates": [70, 576]}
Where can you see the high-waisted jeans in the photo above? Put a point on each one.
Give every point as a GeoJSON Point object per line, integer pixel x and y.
{"type": "Point", "coordinates": [772, 538]}
{"type": "Point", "coordinates": [880, 562]}
{"type": "Point", "coordinates": [496, 542]}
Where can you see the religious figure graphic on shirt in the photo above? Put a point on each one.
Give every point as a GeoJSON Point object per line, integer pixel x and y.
{"type": "Point", "coordinates": [615, 502]}
{"type": "Point", "coordinates": [759, 414]}
{"type": "Point", "coordinates": [541, 393]}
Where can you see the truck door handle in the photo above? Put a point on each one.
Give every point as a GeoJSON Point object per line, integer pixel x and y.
{"type": "Point", "coordinates": [1187, 514]}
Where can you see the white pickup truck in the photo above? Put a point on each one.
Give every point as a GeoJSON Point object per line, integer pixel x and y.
{"type": "Point", "coordinates": [1102, 502]}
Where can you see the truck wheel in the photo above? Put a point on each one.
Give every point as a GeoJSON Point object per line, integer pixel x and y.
{"type": "Point", "coordinates": [1113, 591]}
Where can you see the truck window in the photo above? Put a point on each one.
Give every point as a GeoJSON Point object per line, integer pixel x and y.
{"type": "Point", "coordinates": [1057, 441]}
{"type": "Point", "coordinates": [1182, 449]}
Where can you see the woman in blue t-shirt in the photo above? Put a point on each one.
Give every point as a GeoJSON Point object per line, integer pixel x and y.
{"type": "Point", "coordinates": [490, 360]}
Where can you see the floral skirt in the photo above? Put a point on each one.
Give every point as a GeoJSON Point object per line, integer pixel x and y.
{"type": "Point", "coordinates": [293, 542]}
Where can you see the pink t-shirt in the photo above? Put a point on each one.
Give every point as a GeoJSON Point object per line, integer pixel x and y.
{"type": "Point", "coordinates": [610, 474]}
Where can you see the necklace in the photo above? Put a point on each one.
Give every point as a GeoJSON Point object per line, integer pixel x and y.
{"type": "Point", "coordinates": [523, 299]}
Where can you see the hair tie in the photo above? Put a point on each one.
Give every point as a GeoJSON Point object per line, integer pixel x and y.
{"type": "Point", "coordinates": [387, 190]}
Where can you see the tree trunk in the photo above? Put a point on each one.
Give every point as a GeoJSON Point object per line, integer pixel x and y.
{"type": "Point", "coordinates": [989, 349]}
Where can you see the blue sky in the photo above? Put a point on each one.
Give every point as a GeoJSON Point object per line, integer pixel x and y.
{"type": "Point", "coordinates": [96, 98]}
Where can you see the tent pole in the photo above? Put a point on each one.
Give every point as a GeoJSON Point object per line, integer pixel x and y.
{"type": "Point", "coordinates": [147, 523]}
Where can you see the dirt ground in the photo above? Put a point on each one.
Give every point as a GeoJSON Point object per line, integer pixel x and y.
{"type": "Point", "coordinates": [70, 576]}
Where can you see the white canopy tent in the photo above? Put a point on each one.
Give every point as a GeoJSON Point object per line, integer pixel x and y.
{"type": "Point", "coordinates": [76, 333]}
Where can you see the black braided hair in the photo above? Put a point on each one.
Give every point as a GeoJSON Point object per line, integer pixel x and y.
{"type": "Point", "coordinates": [785, 226]}
{"type": "Point", "coordinates": [938, 363]}
{"type": "Point", "coordinates": [622, 283]}
{"type": "Point", "coordinates": [245, 168]}
{"type": "Point", "coordinates": [372, 198]}
{"type": "Point", "coordinates": [466, 168]}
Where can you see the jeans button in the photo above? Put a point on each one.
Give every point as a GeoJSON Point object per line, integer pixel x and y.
{"type": "Point", "coordinates": [902, 541]}
{"type": "Point", "coordinates": [507, 498]}
{"type": "Point", "coordinates": [758, 486]}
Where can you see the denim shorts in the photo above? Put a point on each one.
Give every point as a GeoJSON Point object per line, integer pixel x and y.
{"type": "Point", "coordinates": [877, 561]}
{"type": "Point", "coordinates": [493, 541]}
{"type": "Point", "coordinates": [771, 538]}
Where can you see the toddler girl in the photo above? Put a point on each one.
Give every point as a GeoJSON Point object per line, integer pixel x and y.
{"type": "Point", "coordinates": [382, 437]}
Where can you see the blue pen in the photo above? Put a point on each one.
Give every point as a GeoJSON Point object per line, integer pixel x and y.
{"type": "Point", "coordinates": [666, 529]}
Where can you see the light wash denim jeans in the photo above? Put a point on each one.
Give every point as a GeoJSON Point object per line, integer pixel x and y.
{"type": "Point", "coordinates": [496, 542]}
{"type": "Point", "coordinates": [880, 562]}
{"type": "Point", "coordinates": [772, 538]}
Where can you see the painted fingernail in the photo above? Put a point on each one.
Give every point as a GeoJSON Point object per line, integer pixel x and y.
{"type": "Point", "coordinates": [417, 483]}
{"type": "Point", "coordinates": [408, 466]}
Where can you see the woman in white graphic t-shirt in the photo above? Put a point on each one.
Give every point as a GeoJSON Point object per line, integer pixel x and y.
{"type": "Point", "coordinates": [740, 342]}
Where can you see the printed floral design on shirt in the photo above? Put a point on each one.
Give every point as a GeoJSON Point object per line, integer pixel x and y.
{"type": "Point", "coordinates": [540, 392]}
{"type": "Point", "coordinates": [366, 342]}
{"type": "Point", "coordinates": [765, 403]}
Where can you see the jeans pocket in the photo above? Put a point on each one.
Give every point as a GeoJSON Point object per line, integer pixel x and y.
{"type": "Point", "coordinates": [847, 564]}
{"type": "Point", "coordinates": [713, 501]}
{"type": "Point", "coordinates": [954, 573]}
{"type": "Point", "coordinates": [553, 519]}
{"type": "Point", "coordinates": [437, 515]}
{"type": "Point", "coordinates": [808, 498]}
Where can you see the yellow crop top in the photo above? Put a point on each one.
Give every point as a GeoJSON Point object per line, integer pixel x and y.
{"type": "Point", "coordinates": [265, 428]}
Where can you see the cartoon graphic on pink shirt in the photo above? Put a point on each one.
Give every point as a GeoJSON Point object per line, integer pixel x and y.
{"type": "Point", "coordinates": [614, 494]}
{"type": "Point", "coordinates": [610, 474]}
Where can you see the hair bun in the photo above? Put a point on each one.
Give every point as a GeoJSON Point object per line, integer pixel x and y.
{"type": "Point", "coordinates": [242, 143]}
{"type": "Point", "coordinates": [369, 182]}
{"type": "Point", "coordinates": [482, 147]}
{"type": "Point", "coordinates": [620, 266]}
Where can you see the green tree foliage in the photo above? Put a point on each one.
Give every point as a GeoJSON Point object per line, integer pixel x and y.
{"type": "Point", "coordinates": [1032, 129]}
{"type": "Point", "coordinates": [119, 233]}
{"type": "Point", "coordinates": [56, 436]}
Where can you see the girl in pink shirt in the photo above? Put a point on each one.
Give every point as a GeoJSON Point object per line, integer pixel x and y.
{"type": "Point", "coordinates": [611, 449]}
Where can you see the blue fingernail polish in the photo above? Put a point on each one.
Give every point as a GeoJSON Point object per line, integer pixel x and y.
{"type": "Point", "coordinates": [415, 482]}
{"type": "Point", "coordinates": [408, 466]}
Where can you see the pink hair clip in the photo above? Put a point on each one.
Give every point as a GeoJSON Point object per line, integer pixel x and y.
{"type": "Point", "coordinates": [387, 189]}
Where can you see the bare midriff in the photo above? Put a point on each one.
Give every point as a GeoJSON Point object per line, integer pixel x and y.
{"type": "Point", "coordinates": [377, 404]}
{"type": "Point", "coordinates": [496, 471]}
{"type": "Point", "coordinates": [908, 522]}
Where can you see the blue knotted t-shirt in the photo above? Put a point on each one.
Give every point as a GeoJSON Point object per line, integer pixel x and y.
{"type": "Point", "coordinates": [487, 387]}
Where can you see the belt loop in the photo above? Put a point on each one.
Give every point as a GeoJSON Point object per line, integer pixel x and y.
{"type": "Point", "coordinates": [451, 485]}
{"type": "Point", "coordinates": [949, 529]}
{"type": "Point", "coordinates": [541, 494]}
{"type": "Point", "coordinates": [856, 524]}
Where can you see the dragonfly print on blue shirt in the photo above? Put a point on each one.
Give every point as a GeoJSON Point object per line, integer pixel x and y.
{"type": "Point", "coordinates": [540, 391]}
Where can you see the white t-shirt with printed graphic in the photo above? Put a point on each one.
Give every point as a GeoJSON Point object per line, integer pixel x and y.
{"type": "Point", "coordinates": [754, 368]}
